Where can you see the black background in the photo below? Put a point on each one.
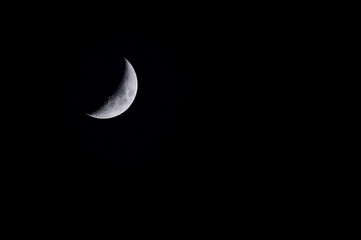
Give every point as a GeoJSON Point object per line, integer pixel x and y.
{"type": "Point", "coordinates": [220, 109]}
{"type": "Point", "coordinates": [168, 142]}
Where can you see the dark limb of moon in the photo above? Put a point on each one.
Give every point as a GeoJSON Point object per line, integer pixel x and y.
{"type": "Point", "coordinates": [120, 100]}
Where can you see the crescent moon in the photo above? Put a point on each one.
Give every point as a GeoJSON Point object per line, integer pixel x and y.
{"type": "Point", "coordinates": [122, 97]}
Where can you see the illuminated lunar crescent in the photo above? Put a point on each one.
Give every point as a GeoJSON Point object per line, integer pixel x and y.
{"type": "Point", "coordinates": [122, 98]}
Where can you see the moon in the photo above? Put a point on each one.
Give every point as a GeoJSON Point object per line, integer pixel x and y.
{"type": "Point", "coordinates": [123, 96]}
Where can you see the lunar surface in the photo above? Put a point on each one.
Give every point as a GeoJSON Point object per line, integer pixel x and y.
{"type": "Point", "coordinates": [122, 97]}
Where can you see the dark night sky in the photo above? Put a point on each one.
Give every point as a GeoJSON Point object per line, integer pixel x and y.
{"type": "Point", "coordinates": [210, 106]}
{"type": "Point", "coordinates": [165, 143]}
